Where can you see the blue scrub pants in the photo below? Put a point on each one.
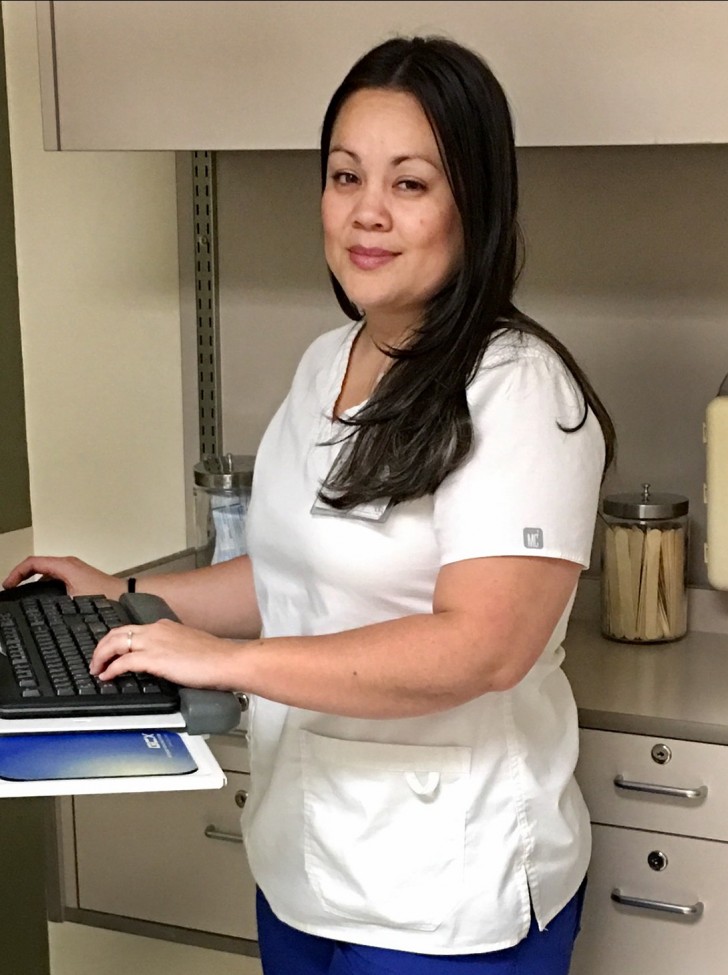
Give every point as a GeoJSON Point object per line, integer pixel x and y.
{"type": "Point", "coordinates": [285, 951]}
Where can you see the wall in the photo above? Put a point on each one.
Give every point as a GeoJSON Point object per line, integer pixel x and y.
{"type": "Point", "coordinates": [14, 488]}
{"type": "Point", "coordinates": [274, 291]}
{"type": "Point", "coordinates": [627, 265]}
{"type": "Point", "coordinates": [625, 262]}
{"type": "Point", "coordinates": [96, 239]}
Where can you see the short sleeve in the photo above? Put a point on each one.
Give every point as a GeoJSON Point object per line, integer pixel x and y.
{"type": "Point", "coordinates": [528, 487]}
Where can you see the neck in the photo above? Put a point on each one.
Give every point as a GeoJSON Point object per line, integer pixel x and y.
{"type": "Point", "coordinates": [389, 331]}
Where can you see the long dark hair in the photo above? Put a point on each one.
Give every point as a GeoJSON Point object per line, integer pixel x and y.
{"type": "Point", "coordinates": [416, 428]}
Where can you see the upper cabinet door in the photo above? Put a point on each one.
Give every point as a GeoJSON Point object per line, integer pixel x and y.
{"type": "Point", "coordinates": [158, 74]}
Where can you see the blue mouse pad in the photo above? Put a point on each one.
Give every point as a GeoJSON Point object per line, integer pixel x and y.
{"type": "Point", "coordinates": [93, 755]}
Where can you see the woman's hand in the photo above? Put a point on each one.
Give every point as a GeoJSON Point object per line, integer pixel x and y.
{"type": "Point", "coordinates": [79, 577]}
{"type": "Point", "coordinates": [167, 649]}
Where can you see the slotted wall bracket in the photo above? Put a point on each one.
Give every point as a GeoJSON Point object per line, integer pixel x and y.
{"type": "Point", "coordinates": [207, 302]}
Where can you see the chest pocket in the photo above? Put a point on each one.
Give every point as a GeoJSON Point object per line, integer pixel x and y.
{"type": "Point", "coordinates": [384, 829]}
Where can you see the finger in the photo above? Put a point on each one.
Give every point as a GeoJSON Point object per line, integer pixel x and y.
{"type": "Point", "coordinates": [127, 663]}
{"type": "Point", "coordinates": [54, 567]}
{"type": "Point", "coordinates": [24, 570]}
{"type": "Point", "coordinates": [119, 642]}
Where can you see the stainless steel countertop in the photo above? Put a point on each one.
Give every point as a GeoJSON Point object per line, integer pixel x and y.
{"type": "Point", "coordinates": [671, 690]}
{"type": "Point", "coordinates": [178, 562]}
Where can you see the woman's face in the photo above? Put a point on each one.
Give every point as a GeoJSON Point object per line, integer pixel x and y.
{"type": "Point", "coordinates": [392, 231]}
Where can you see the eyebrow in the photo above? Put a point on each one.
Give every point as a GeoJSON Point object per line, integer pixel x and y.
{"type": "Point", "coordinates": [396, 161]}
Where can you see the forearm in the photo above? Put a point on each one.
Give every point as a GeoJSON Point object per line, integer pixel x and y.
{"type": "Point", "coordinates": [491, 620]}
{"type": "Point", "coordinates": [219, 599]}
{"type": "Point", "coordinates": [402, 668]}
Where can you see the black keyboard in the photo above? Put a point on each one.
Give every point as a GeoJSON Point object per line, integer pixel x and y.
{"type": "Point", "coordinates": [46, 645]}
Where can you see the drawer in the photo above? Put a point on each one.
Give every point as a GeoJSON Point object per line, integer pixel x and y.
{"type": "Point", "coordinates": [695, 778]}
{"type": "Point", "coordinates": [173, 858]}
{"type": "Point", "coordinates": [639, 940]}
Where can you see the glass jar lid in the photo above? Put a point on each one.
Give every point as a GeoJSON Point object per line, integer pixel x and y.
{"type": "Point", "coordinates": [645, 506]}
{"type": "Point", "coordinates": [227, 472]}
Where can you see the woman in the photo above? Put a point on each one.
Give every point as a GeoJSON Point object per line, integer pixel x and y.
{"type": "Point", "coordinates": [423, 504]}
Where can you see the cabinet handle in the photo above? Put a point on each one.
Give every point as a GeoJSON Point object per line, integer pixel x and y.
{"type": "Point", "coordinates": [660, 790]}
{"type": "Point", "coordinates": [684, 910]}
{"type": "Point", "coordinates": [213, 833]}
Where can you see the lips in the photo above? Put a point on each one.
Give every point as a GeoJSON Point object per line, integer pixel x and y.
{"type": "Point", "coordinates": [370, 258]}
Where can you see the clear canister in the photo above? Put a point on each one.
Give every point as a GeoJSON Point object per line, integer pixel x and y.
{"type": "Point", "coordinates": [222, 494]}
{"type": "Point", "coordinates": [644, 566]}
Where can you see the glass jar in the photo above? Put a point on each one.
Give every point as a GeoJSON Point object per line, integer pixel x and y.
{"type": "Point", "coordinates": [222, 494]}
{"type": "Point", "coordinates": [644, 548]}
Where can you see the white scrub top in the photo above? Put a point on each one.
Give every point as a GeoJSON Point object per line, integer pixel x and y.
{"type": "Point", "coordinates": [431, 834]}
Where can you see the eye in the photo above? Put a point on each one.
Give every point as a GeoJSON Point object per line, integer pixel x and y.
{"type": "Point", "coordinates": [344, 177]}
{"type": "Point", "coordinates": [411, 185]}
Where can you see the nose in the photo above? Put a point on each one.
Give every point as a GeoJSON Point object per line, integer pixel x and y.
{"type": "Point", "coordinates": [371, 211]}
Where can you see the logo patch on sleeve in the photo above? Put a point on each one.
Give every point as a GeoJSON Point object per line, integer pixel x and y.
{"type": "Point", "coordinates": [533, 537]}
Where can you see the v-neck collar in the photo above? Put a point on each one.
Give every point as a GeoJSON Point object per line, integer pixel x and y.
{"type": "Point", "coordinates": [339, 369]}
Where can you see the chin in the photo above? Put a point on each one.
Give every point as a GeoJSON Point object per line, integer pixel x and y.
{"type": "Point", "coordinates": [370, 304]}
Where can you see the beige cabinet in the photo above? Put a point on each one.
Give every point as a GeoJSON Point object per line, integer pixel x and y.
{"type": "Point", "coordinates": [173, 858]}
{"type": "Point", "coordinates": [222, 74]}
{"type": "Point", "coordinates": [687, 935]}
{"type": "Point", "coordinates": [656, 901]}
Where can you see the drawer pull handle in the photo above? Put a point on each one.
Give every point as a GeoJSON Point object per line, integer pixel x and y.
{"type": "Point", "coordinates": [684, 910]}
{"type": "Point", "coordinates": [661, 790]}
{"type": "Point", "coordinates": [213, 833]}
